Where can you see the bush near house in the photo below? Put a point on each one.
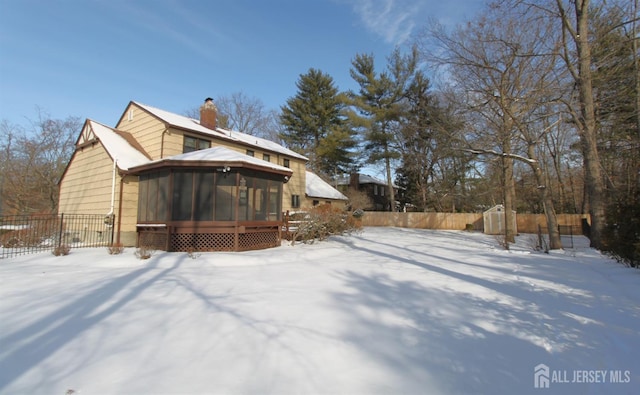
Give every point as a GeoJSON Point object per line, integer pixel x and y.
{"type": "Point", "coordinates": [322, 221]}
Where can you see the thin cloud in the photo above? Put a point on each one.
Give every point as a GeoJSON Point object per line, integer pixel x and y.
{"type": "Point", "coordinates": [390, 19]}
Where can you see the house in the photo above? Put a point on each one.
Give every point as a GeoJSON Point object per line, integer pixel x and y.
{"type": "Point", "coordinates": [179, 184]}
{"type": "Point", "coordinates": [375, 189]}
{"type": "Point", "coordinates": [318, 192]}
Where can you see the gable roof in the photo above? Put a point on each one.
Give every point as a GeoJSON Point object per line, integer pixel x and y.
{"type": "Point", "coordinates": [362, 179]}
{"type": "Point", "coordinates": [318, 188]}
{"type": "Point", "coordinates": [220, 156]}
{"type": "Point", "coordinates": [193, 125]}
{"type": "Point", "coordinates": [120, 146]}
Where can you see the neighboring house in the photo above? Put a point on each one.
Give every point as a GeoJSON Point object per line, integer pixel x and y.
{"type": "Point", "coordinates": [182, 184]}
{"type": "Point", "coordinates": [376, 190]}
{"type": "Point", "coordinates": [319, 191]}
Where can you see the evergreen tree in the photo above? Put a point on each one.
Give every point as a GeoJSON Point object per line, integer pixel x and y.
{"type": "Point", "coordinates": [379, 105]}
{"type": "Point", "coordinates": [315, 124]}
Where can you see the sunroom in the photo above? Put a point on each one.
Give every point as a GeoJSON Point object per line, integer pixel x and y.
{"type": "Point", "coordinates": [210, 200]}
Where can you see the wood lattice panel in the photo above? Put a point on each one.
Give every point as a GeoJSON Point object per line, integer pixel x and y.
{"type": "Point", "coordinates": [202, 242]}
{"type": "Point", "coordinates": [259, 240]}
{"type": "Point", "coordinates": [152, 240]}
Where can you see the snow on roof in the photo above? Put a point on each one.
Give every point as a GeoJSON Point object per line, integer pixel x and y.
{"type": "Point", "coordinates": [317, 187]}
{"type": "Point", "coordinates": [184, 122]}
{"type": "Point", "coordinates": [363, 179]}
{"type": "Point", "coordinates": [117, 146]}
{"type": "Point", "coordinates": [222, 154]}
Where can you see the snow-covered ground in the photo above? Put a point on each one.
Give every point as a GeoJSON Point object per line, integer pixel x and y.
{"type": "Point", "coordinates": [396, 311]}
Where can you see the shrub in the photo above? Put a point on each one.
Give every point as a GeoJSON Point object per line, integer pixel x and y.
{"type": "Point", "coordinates": [323, 221]}
{"type": "Point", "coordinates": [63, 249]}
{"type": "Point", "coordinates": [358, 213]}
{"type": "Point", "coordinates": [193, 253]}
{"type": "Point", "coordinates": [115, 249]}
{"type": "Point", "coordinates": [621, 238]}
{"type": "Point", "coordinates": [144, 252]}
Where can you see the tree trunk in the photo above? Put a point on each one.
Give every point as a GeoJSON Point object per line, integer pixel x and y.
{"type": "Point", "coordinates": [555, 242]}
{"type": "Point", "coordinates": [509, 193]}
{"type": "Point", "coordinates": [392, 194]}
{"type": "Point", "coordinates": [594, 182]}
{"type": "Point", "coordinates": [509, 197]}
{"type": "Point", "coordinates": [636, 64]}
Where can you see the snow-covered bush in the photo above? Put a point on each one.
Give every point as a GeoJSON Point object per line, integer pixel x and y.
{"type": "Point", "coordinates": [323, 221]}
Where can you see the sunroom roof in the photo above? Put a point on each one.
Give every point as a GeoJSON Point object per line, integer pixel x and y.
{"type": "Point", "coordinates": [219, 156]}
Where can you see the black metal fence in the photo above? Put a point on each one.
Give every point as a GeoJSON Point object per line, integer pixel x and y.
{"type": "Point", "coordinates": [22, 234]}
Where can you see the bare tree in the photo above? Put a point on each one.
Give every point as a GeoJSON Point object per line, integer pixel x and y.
{"type": "Point", "coordinates": [503, 71]}
{"type": "Point", "coordinates": [33, 159]}
{"type": "Point", "coordinates": [245, 114]}
{"type": "Point", "coordinates": [576, 53]}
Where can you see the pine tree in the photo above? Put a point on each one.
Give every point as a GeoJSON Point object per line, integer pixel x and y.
{"type": "Point", "coordinates": [379, 104]}
{"type": "Point", "coordinates": [315, 124]}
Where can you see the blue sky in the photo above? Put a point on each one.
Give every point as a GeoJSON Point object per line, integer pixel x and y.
{"type": "Point", "coordinates": [90, 58]}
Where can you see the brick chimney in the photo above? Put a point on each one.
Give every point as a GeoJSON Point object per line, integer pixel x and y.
{"type": "Point", "coordinates": [208, 114]}
{"type": "Point", "coordinates": [354, 181]}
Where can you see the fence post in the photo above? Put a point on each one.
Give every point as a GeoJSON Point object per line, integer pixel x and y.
{"type": "Point", "coordinates": [60, 230]}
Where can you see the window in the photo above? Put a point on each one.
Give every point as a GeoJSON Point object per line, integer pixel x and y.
{"type": "Point", "coordinates": [182, 196]}
{"type": "Point", "coordinates": [225, 199]}
{"type": "Point", "coordinates": [375, 189]}
{"type": "Point", "coordinates": [295, 201]}
{"type": "Point", "coordinates": [382, 191]}
{"type": "Point", "coordinates": [153, 192]}
{"type": "Point", "coordinates": [316, 202]}
{"type": "Point", "coordinates": [286, 163]}
{"type": "Point", "coordinates": [251, 153]}
{"type": "Point", "coordinates": [198, 195]}
{"type": "Point", "coordinates": [203, 197]}
{"type": "Point", "coordinates": [266, 157]}
{"type": "Point", "coordinates": [195, 144]}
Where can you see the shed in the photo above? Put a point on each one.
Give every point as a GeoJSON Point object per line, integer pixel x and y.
{"type": "Point", "coordinates": [494, 220]}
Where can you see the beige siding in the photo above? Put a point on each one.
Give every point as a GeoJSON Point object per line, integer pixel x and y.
{"type": "Point", "coordinates": [174, 142]}
{"type": "Point", "coordinates": [129, 216]}
{"type": "Point", "coordinates": [146, 129]}
{"type": "Point", "coordinates": [295, 186]}
{"type": "Point", "coordinates": [308, 202]}
{"type": "Point", "coordinates": [86, 186]}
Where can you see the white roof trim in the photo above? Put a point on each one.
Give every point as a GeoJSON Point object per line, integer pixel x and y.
{"type": "Point", "coordinates": [117, 146]}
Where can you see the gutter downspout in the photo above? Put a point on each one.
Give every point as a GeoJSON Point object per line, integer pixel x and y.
{"type": "Point", "coordinates": [120, 208]}
{"type": "Point", "coordinates": [109, 217]}
{"type": "Point", "coordinates": [113, 187]}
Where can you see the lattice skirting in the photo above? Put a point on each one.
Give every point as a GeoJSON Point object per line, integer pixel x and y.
{"type": "Point", "coordinates": [152, 240]}
{"type": "Point", "coordinates": [223, 241]}
{"type": "Point", "coordinates": [259, 240]}
{"type": "Point", "coordinates": [202, 242]}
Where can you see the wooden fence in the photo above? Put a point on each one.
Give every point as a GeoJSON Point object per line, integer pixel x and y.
{"type": "Point", "coordinates": [527, 223]}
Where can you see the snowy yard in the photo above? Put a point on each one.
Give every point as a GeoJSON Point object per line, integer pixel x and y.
{"type": "Point", "coordinates": [394, 311]}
